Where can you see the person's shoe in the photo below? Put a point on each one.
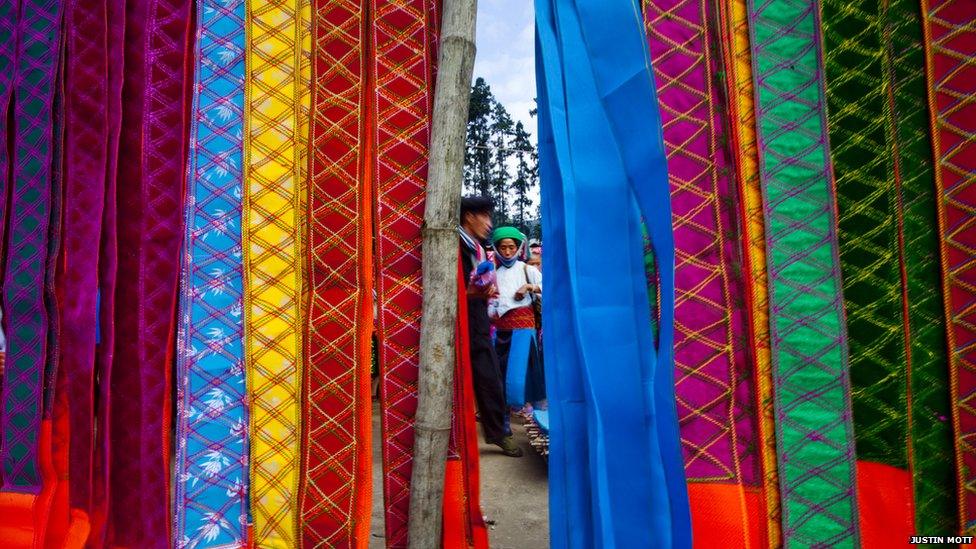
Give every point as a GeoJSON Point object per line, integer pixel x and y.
{"type": "Point", "coordinates": [508, 446]}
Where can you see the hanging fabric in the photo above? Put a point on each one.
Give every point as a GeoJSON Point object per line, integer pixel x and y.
{"type": "Point", "coordinates": [405, 50]}
{"type": "Point", "coordinates": [212, 459]}
{"type": "Point", "coordinates": [27, 472]}
{"type": "Point", "coordinates": [272, 214]}
{"type": "Point", "coordinates": [713, 389]}
{"type": "Point", "coordinates": [150, 204]}
{"type": "Point", "coordinates": [734, 31]}
{"type": "Point", "coordinates": [880, 154]}
{"type": "Point", "coordinates": [809, 344]}
{"type": "Point", "coordinates": [86, 154]}
{"type": "Point", "coordinates": [930, 428]}
{"type": "Point", "coordinates": [337, 452]}
{"type": "Point", "coordinates": [950, 55]}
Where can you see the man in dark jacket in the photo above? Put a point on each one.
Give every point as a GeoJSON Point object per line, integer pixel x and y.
{"type": "Point", "coordinates": [489, 381]}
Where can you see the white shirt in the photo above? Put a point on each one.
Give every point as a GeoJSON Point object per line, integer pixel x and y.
{"type": "Point", "coordinates": [509, 280]}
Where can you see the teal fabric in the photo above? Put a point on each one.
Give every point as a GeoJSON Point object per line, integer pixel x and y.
{"type": "Point", "coordinates": [814, 435]}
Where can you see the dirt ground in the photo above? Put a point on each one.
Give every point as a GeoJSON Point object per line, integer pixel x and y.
{"type": "Point", "coordinates": [514, 495]}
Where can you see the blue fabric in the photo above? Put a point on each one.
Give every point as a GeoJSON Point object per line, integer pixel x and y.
{"type": "Point", "coordinates": [211, 470]}
{"type": "Point", "coordinates": [541, 418]}
{"type": "Point", "coordinates": [570, 524]}
{"type": "Point", "coordinates": [518, 366]}
{"type": "Point", "coordinates": [589, 175]}
{"type": "Point", "coordinates": [615, 39]}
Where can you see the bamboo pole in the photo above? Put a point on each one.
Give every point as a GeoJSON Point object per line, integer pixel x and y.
{"type": "Point", "coordinates": [452, 91]}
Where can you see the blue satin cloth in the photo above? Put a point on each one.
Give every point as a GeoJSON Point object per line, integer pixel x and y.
{"type": "Point", "coordinates": [517, 372]}
{"type": "Point", "coordinates": [610, 384]}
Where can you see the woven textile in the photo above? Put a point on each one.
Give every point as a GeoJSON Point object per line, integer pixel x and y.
{"type": "Point", "coordinates": [336, 453]}
{"type": "Point", "coordinates": [931, 428]}
{"type": "Point", "coordinates": [211, 470]}
{"type": "Point", "coordinates": [950, 48]}
{"type": "Point", "coordinates": [405, 51]}
{"type": "Point", "coordinates": [857, 101]}
{"type": "Point", "coordinates": [273, 264]}
{"type": "Point", "coordinates": [85, 151]}
{"type": "Point", "coordinates": [807, 332]}
{"type": "Point", "coordinates": [712, 385]}
{"type": "Point", "coordinates": [27, 243]}
{"type": "Point", "coordinates": [150, 220]}
{"type": "Point", "coordinates": [742, 117]}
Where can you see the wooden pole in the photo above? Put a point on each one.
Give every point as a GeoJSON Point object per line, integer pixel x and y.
{"type": "Point", "coordinates": [440, 257]}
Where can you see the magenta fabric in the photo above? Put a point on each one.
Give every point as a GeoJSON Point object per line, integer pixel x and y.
{"type": "Point", "coordinates": [151, 168]}
{"type": "Point", "coordinates": [713, 384]}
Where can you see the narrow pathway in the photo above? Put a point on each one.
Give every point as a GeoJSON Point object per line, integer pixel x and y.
{"type": "Point", "coordinates": [514, 495]}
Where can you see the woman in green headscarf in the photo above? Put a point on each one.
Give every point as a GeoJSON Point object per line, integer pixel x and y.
{"type": "Point", "coordinates": [516, 334]}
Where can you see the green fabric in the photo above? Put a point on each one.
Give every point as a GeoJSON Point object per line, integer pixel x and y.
{"type": "Point", "coordinates": [867, 197]}
{"type": "Point", "coordinates": [507, 232]}
{"type": "Point", "coordinates": [931, 428]}
{"type": "Point", "coordinates": [811, 388]}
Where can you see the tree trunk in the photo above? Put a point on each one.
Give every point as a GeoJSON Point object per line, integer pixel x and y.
{"type": "Point", "coordinates": [440, 259]}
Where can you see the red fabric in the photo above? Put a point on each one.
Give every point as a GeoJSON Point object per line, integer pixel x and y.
{"type": "Point", "coordinates": [24, 517]}
{"type": "Point", "coordinates": [727, 515]}
{"type": "Point", "coordinates": [516, 319]}
{"type": "Point", "coordinates": [464, 525]}
{"type": "Point", "coordinates": [335, 509]}
{"type": "Point", "coordinates": [884, 501]}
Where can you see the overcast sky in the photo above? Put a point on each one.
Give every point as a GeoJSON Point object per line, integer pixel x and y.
{"type": "Point", "coordinates": [506, 52]}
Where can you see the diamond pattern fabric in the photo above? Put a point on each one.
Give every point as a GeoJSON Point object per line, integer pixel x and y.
{"type": "Point", "coordinates": [26, 245]}
{"type": "Point", "coordinates": [336, 454]}
{"type": "Point", "coordinates": [950, 50]}
{"type": "Point", "coordinates": [742, 116]}
{"type": "Point", "coordinates": [404, 55]}
{"type": "Point", "coordinates": [272, 214]}
{"type": "Point", "coordinates": [807, 334]}
{"type": "Point", "coordinates": [212, 461]}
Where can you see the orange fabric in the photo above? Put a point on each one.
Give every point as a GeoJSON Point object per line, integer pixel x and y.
{"type": "Point", "coordinates": [884, 500]}
{"type": "Point", "coordinates": [24, 517]}
{"type": "Point", "coordinates": [455, 535]}
{"type": "Point", "coordinates": [727, 516]}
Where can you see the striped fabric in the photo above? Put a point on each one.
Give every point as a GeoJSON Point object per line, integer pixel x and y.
{"type": "Point", "coordinates": [212, 461]}
{"type": "Point", "coordinates": [807, 334]}
{"type": "Point", "coordinates": [272, 213]}
{"type": "Point", "coordinates": [950, 51]}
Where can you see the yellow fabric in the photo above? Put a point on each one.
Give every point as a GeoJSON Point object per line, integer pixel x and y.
{"type": "Point", "coordinates": [747, 165]}
{"type": "Point", "coordinates": [278, 45]}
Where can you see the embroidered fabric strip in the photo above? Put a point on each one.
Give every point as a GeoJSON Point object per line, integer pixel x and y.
{"type": "Point", "coordinates": [27, 244]}
{"type": "Point", "coordinates": [336, 453]}
{"type": "Point", "coordinates": [929, 423]}
{"type": "Point", "coordinates": [150, 230]}
{"type": "Point", "coordinates": [273, 264]}
{"type": "Point", "coordinates": [738, 67]}
{"type": "Point", "coordinates": [212, 461]}
{"type": "Point", "coordinates": [403, 70]}
{"type": "Point", "coordinates": [809, 348]}
{"type": "Point", "coordinates": [950, 50]}
{"type": "Point", "coordinates": [107, 273]}
{"type": "Point", "coordinates": [857, 100]}
{"type": "Point", "coordinates": [714, 395]}
{"type": "Point", "coordinates": [85, 151]}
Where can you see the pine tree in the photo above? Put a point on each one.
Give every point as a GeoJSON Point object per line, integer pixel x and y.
{"type": "Point", "coordinates": [501, 130]}
{"type": "Point", "coordinates": [524, 178]}
{"type": "Point", "coordinates": [477, 156]}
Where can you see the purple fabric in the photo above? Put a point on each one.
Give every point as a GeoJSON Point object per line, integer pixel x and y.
{"type": "Point", "coordinates": [85, 152]}
{"type": "Point", "coordinates": [27, 244]}
{"type": "Point", "coordinates": [714, 387]}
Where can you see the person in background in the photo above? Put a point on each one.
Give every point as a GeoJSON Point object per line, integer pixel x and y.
{"type": "Point", "coordinates": [535, 254]}
{"type": "Point", "coordinates": [489, 383]}
{"type": "Point", "coordinates": [512, 313]}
